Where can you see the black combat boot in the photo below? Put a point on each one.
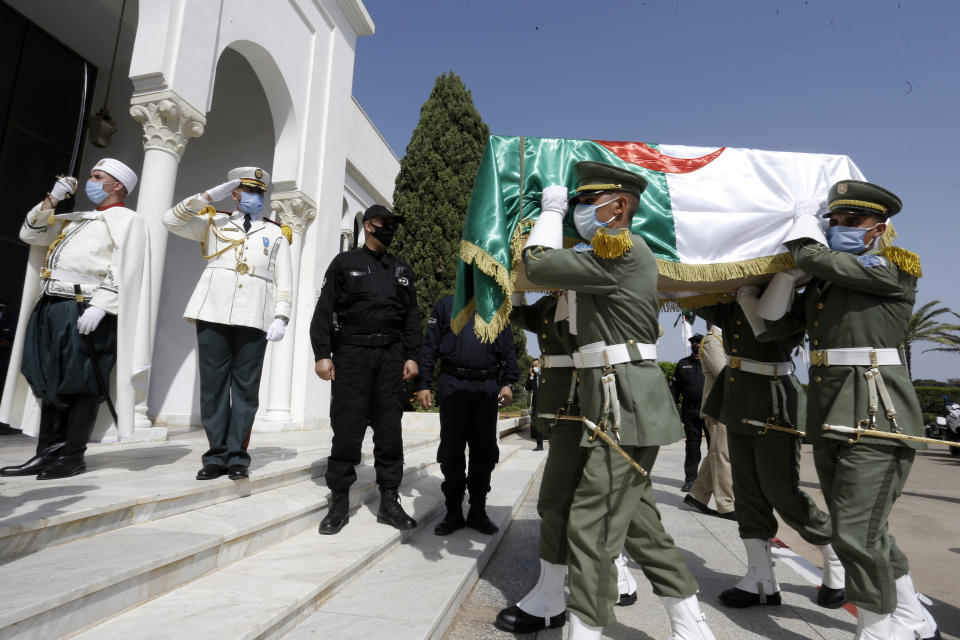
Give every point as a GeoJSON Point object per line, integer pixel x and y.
{"type": "Point", "coordinates": [454, 518]}
{"type": "Point", "coordinates": [477, 517]}
{"type": "Point", "coordinates": [336, 517]}
{"type": "Point", "coordinates": [49, 442]}
{"type": "Point", "coordinates": [391, 512]}
{"type": "Point", "coordinates": [82, 416]}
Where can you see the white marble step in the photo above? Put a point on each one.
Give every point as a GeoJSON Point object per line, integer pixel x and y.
{"type": "Point", "coordinates": [414, 592]}
{"type": "Point", "coordinates": [67, 587]}
{"type": "Point", "coordinates": [266, 594]}
{"type": "Point", "coordinates": [143, 482]}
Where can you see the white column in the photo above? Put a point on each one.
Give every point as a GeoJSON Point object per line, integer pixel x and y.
{"type": "Point", "coordinates": [168, 123]}
{"type": "Point", "coordinates": [295, 210]}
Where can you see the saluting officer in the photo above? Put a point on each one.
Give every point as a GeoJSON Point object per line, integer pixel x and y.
{"type": "Point", "coordinates": [615, 280]}
{"type": "Point", "coordinates": [243, 299]}
{"type": "Point", "coordinates": [367, 326]}
{"type": "Point", "coordinates": [474, 382]}
{"type": "Point", "coordinates": [857, 309]}
{"type": "Point", "coordinates": [91, 274]}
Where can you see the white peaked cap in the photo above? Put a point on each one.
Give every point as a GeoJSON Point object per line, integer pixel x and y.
{"type": "Point", "coordinates": [120, 171]}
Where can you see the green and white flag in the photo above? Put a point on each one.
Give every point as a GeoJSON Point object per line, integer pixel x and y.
{"type": "Point", "coordinates": [714, 218]}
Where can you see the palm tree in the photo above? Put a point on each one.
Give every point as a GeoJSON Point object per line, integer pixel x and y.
{"type": "Point", "coordinates": [924, 327]}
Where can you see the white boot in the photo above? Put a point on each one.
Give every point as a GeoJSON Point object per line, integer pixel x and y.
{"type": "Point", "coordinates": [546, 599]}
{"type": "Point", "coordinates": [759, 585]}
{"type": "Point", "coordinates": [626, 585]}
{"type": "Point", "coordinates": [580, 630]}
{"type": "Point", "coordinates": [873, 626]}
{"type": "Point", "coordinates": [686, 620]}
{"type": "Point", "coordinates": [831, 593]}
{"type": "Point", "coordinates": [910, 614]}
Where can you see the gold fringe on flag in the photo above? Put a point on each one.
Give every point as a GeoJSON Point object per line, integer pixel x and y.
{"type": "Point", "coordinates": [607, 245]}
{"type": "Point", "coordinates": [720, 271]}
{"type": "Point", "coordinates": [687, 303]}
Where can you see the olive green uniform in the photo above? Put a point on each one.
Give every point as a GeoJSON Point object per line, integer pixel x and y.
{"type": "Point", "coordinates": [859, 301]}
{"type": "Point", "coordinates": [765, 467]}
{"type": "Point", "coordinates": [613, 506]}
{"type": "Point", "coordinates": [565, 457]}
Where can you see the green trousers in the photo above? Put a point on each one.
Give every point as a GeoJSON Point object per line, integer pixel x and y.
{"type": "Point", "coordinates": [860, 483]}
{"type": "Point", "coordinates": [613, 509]}
{"type": "Point", "coordinates": [561, 474]}
{"type": "Point", "coordinates": [766, 476]}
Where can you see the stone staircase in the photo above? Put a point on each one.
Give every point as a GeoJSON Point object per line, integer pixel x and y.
{"type": "Point", "coordinates": [136, 547]}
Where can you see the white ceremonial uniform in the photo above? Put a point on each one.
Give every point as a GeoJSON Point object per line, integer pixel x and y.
{"type": "Point", "coordinates": [248, 280]}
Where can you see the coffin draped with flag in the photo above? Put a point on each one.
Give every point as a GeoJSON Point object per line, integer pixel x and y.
{"type": "Point", "coordinates": [715, 218]}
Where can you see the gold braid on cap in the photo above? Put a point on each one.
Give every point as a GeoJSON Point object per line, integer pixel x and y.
{"type": "Point", "coordinates": [859, 203]}
{"type": "Point", "coordinates": [598, 187]}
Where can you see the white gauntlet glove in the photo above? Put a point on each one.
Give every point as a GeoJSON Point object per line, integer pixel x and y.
{"type": "Point", "coordinates": [548, 232]}
{"type": "Point", "coordinates": [221, 191]}
{"type": "Point", "coordinates": [516, 299]}
{"type": "Point", "coordinates": [747, 298]}
{"type": "Point", "coordinates": [64, 187]}
{"type": "Point", "coordinates": [276, 330]}
{"type": "Point", "coordinates": [778, 296]}
{"type": "Point", "coordinates": [89, 320]}
{"type": "Point", "coordinates": [807, 222]}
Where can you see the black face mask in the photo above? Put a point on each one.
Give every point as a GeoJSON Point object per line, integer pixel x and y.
{"type": "Point", "coordinates": [384, 234]}
{"type": "Point", "coordinates": [694, 349]}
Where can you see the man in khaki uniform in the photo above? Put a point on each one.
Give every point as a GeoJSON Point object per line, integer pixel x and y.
{"type": "Point", "coordinates": [615, 282]}
{"type": "Point", "coordinates": [713, 478]}
{"type": "Point", "coordinates": [856, 311]}
{"type": "Point", "coordinates": [243, 299]}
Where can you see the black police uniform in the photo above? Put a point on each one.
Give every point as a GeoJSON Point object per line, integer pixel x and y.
{"type": "Point", "coordinates": [376, 330]}
{"type": "Point", "coordinates": [471, 375]}
{"type": "Point", "coordinates": [687, 388]}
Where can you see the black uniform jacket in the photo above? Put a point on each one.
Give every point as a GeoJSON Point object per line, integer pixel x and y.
{"type": "Point", "coordinates": [687, 385]}
{"type": "Point", "coordinates": [464, 350]}
{"type": "Point", "coordinates": [364, 293]}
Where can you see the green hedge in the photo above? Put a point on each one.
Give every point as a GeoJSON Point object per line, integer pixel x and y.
{"type": "Point", "coordinates": [931, 398]}
{"type": "Point", "coordinates": [667, 368]}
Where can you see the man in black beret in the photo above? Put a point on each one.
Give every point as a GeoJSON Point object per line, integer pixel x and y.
{"type": "Point", "coordinates": [366, 335]}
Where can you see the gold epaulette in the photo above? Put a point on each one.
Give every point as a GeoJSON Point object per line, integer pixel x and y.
{"type": "Point", "coordinates": [906, 261]}
{"type": "Point", "coordinates": [607, 245]}
{"type": "Point", "coordinates": [208, 210]}
{"type": "Point", "coordinates": [287, 232]}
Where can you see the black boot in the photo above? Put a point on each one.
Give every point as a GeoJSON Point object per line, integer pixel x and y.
{"type": "Point", "coordinates": [36, 464]}
{"type": "Point", "coordinates": [454, 518]}
{"type": "Point", "coordinates": [391, 512]}
{"type": "Point", "coordinates": [477, 517]}
{"type": "Point", "coordinates": [336, 513]}
{"type": "Point", "coordinates": [82, 416]}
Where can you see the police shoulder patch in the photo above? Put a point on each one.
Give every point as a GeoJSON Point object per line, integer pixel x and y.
{"type": "Point", "coordinates": [870, 261]}
{"type": "Point", "coordinates": [582, 247]}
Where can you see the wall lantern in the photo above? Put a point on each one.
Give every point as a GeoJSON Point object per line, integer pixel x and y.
{"type": "Point", "coordinates": [101, 125]}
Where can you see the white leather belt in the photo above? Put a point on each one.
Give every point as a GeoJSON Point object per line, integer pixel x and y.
{"type": "Point", "coordinates": [559, 361]}
{"type": "Point", "coordinates": [598, 354]}
{"type": "Point", "coordinates": [855, 356]}
{"type": "Point", "coordinates": [69, 276]}
{"type": "Point", "coordinates": [762, 368]}
{"type": "Point", "coordinates": [244, 269]}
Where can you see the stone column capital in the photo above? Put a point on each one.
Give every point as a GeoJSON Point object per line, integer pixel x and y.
{"type": "Point", "coordinates": [294, 209]}
{"type": "Point", "coordinates": [168, 121]}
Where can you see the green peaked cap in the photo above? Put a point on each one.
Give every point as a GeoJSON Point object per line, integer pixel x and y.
{"type": "Point", "coordinates": [597, 177]}
{"type": "Point", "coordinates": [862, 198]}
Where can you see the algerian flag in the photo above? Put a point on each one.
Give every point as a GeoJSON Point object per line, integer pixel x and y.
{"type": "Point", "coordinates": [714, 218]}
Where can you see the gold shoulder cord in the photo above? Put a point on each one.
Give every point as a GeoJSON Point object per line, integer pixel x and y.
{"type": "Point", "coordinates": [45, 270]}
{"type": "Point", "coordinates": [231, 243]}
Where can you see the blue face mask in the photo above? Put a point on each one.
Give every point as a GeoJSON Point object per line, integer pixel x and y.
{"type": "Point", "coordinates": [585, 219]}
{"type": "Point", "coordinates": [95, 191]}
{"type": "Point", "coordinates": [847, 239]}
{"type": "Point", "coordinates": [251, 203]}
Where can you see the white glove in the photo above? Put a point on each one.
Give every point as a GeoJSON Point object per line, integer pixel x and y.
{"type": "Point", "coordinates": [747, 298]}
{"type": "Point", "coordinates": [64, 187]}
{"type": "Point", "coordinates": [276, 330]}
{"type": "Point", "coordinates": [554, 198]}
{"type": "Point", "coordinates": [807, 221]}
{"type": "Point", "coordinates": [89, 320]}
{"type": "Point", "coordinates": [221, 191]}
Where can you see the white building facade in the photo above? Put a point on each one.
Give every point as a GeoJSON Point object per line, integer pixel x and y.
{"type": "Point", "coordinates": [202, 86]}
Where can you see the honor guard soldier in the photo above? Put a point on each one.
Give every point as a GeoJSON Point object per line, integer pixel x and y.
{"type": "Point", "coordinates": [367, 326]}
{"type": "Point", "coordinates": [91, 274]}
{"type": "Point", "coordinates": [545, 606]}
{"type": "Point", "coordinates": [755, 393]}
{"type": "Point", "coordinates": [621, 388]}
{"type": "Point", "coordinates": [243, 299]}
{"type": "Point", "coordinates": [474, 383]}
{"type": "Point", "coordinates": [856, 311]}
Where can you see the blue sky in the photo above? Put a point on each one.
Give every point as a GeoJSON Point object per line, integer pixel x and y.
{"type": "Point", "coordinates": [878, 81]}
